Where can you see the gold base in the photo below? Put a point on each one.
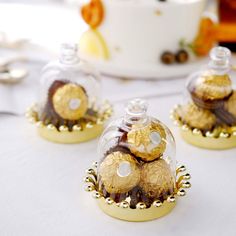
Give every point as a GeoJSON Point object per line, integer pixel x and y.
{"type": "Point", "coordinates": [208, 142]}
{"type": "Point", "coordinates": [70, 137]}
{"type": "Point", "coordinates": [123, 210]}
{"type": "Point", "coordinates": [80, 132]}
{"type": "Point", "coordinates": [218, 139]}
{"type": "Point", "coordinates": [136, 215]}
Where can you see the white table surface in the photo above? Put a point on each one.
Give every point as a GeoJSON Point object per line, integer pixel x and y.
{"type": "Point", "coordinates": [41, 183]}
{"type": "Point", "coordinates": [41, 187]}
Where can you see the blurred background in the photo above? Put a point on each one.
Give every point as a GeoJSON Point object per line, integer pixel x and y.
{"type": "Point", "coordinates": [36, 194]}
{"type": "Point", "coordinates": [31, 32]}
{"type": "Point", "coordinates": [44, 22]}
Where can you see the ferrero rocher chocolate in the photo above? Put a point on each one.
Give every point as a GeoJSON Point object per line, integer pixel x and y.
{"type": "Point", "coordinates": [119, 172]}
{"type": "Point", "coordinates": [70, 101]}
{"type": "Point", "coordinates": [230, 105]}
{"type": "Point", "coordinates": [157, 179]}
{"type": "Point", "coordinates": [197, 117]}
{"type": "Point", "coordinates": [211, 87]}
{"type": "Point", "coordinates": [147, 142]}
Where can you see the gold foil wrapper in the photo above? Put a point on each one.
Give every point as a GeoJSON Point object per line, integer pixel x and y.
{"type": "Point", "coordinates": [157, 179]}
{"type": "Point", "coordinates": [119, 172]}
{"type": "Point", "coordinates": [210, 87]}
{"type": "Point", "coordinates": [70, 102]}
{"type": "Point", "coordinates": [230, 105]}
{"type": "Point", "coordinates": [147, 142]}
{"type": "Point", "coordinates": [197, 117]}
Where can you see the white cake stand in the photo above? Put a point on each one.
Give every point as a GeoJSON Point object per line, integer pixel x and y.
{"type": "Point", "coordinates": [147, 72]}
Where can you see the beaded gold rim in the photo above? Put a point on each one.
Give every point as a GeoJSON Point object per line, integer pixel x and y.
{"type": "Point", "coordinates": [79, 133]}
{"type": "Point", "coordinates": [123, 211]}
{"type": "Point", "coordinates": [220, 138]}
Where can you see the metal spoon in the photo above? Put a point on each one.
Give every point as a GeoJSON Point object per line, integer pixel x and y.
{"type": "Point", "coordinates": [12, 75]}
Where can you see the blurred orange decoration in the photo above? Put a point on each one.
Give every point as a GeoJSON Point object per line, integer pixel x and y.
{"type": "Point", "coordinates": [227, 15]}
{"type": "Point", "coordinates": [227, 11]}
{"type": "Point", "coordinates": [211, 33]}
{"type": "Point", "coordinates": [205, 38]}
{"type": "Point", "coordinates": [93, 13]}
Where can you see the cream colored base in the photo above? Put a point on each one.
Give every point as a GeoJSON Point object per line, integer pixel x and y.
{"type": "Point", "coordinates": [81, 132]}
{"type": "Point", "coordinates": [123, 211]}
{"type": "Point", "coordinates": [208, 142]}
{"type": "Point", "coordinates": [136, 215]}
{"type": "Point", "coordinates": [70, 137]}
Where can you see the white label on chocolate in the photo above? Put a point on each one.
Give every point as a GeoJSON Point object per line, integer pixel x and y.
{"type": "Point", "coordinates": [155, 138]}
{"type": "Point", "coordinates": [124, 169]}
{"type": "Point", "coordinates": [74, 103]}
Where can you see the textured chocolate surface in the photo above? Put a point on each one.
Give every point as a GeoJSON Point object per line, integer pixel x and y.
{"type": "Point", "coordinates": [49, 116]}
{"type": "Point", "coordinates": [70, 101]}
{"type": "Point", "coordinates": [136, 194]}
{"type": "Point", "coordinates": [225, 117]}
{"type": "Point", "coordinates": [157, 179]}
{"type": "Point", "coordinates": [147, 142]}
{"type": "Point", "coordinates": [213, 87]}
{"type": "Point", "coordinates": [197, 117]}
{"type": "Point", "coordinates": [109, 172]}
{"type": "Point", "coordinates": [230, 104]}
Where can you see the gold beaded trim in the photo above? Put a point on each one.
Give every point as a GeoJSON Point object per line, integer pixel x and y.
{"type": "Point", "coordinates": [182, 183]}
{"type": "Point", "coordinates": [32, 116]}
{"type": "Point", "coordinates": [218, 132]}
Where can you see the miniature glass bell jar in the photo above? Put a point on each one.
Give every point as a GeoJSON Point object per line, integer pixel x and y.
{"type": "Point", "coordinates": [136, 178]}
{"type": "Point", "coordinates": [207, 118]}
{"type": "Point", "coordinates": [70, 109]}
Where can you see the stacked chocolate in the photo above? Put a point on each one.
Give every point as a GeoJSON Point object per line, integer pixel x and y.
{"type": "Point", "coordinates": [213, 102]}
{"type": "Point", "coordinates": [134, 168]}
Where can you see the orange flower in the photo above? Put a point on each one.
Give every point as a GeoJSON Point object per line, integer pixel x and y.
{"type": "Point", "coordinates": [206, 37]}
{"type": "Point", "coordinates": [93, 13]}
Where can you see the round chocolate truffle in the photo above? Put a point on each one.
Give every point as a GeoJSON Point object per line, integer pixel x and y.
{"type": "Point", "coordinates": [230, 105]}
{"type": "Point", "coordinates": [211, 87]}
{"type": "Point", "coordinates": [147, 142]}
{"type": "Point", "coordinates": [70, 102]}
{"type": "Point", "coordinates": [197, 117]}
{"type": "Point", "coordinates": [119, 172]}
{"type": "Point", "coordinates": [157, 179]}
{"type": "Point", "coordinates": [168, 58]}
{"type": "Point", "coordinates": [182, 56]}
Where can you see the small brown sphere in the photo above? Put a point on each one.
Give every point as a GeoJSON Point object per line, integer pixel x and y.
{"type": "Point", "coordinates": [157, 179]}
{"type": "Point", "coordinates": [211, 87]}
{"type": "Point", "coordinates": [70, 102]}
{"type": "Point", "coordinates": [119, 172]}
{"type": "Point", "coordinates": [147, 142]}
{"type": "Point", "coordinates": [168, 58]}
{"type": "Point", "coordinates": [230, 105]}
{"type": "Point", "coordinates": [182, 56]}
{"type": "Point", "coordinates": [197, 117]}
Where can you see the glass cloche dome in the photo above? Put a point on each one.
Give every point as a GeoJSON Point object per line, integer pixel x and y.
{"type": "Point", "coordinates": [130, 144]}
{"type": "Point", "coordinates": [209, 110]}
{"type": "Point", "coordinates": [137, 167]}
{"type": "Point", "coordinates": [69, 90]}
{"type": "Point", "coordinates": [70, 99]}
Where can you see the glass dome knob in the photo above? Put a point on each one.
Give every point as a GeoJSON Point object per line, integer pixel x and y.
{"type": "Point", "coordinates": [69, 53]}
{"type": "Point", "coordinates": [136, 111]}
{"type": "Point", "coordinates": [137, 107]}
{"type": "Point", "coordinates": [220, 59]}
